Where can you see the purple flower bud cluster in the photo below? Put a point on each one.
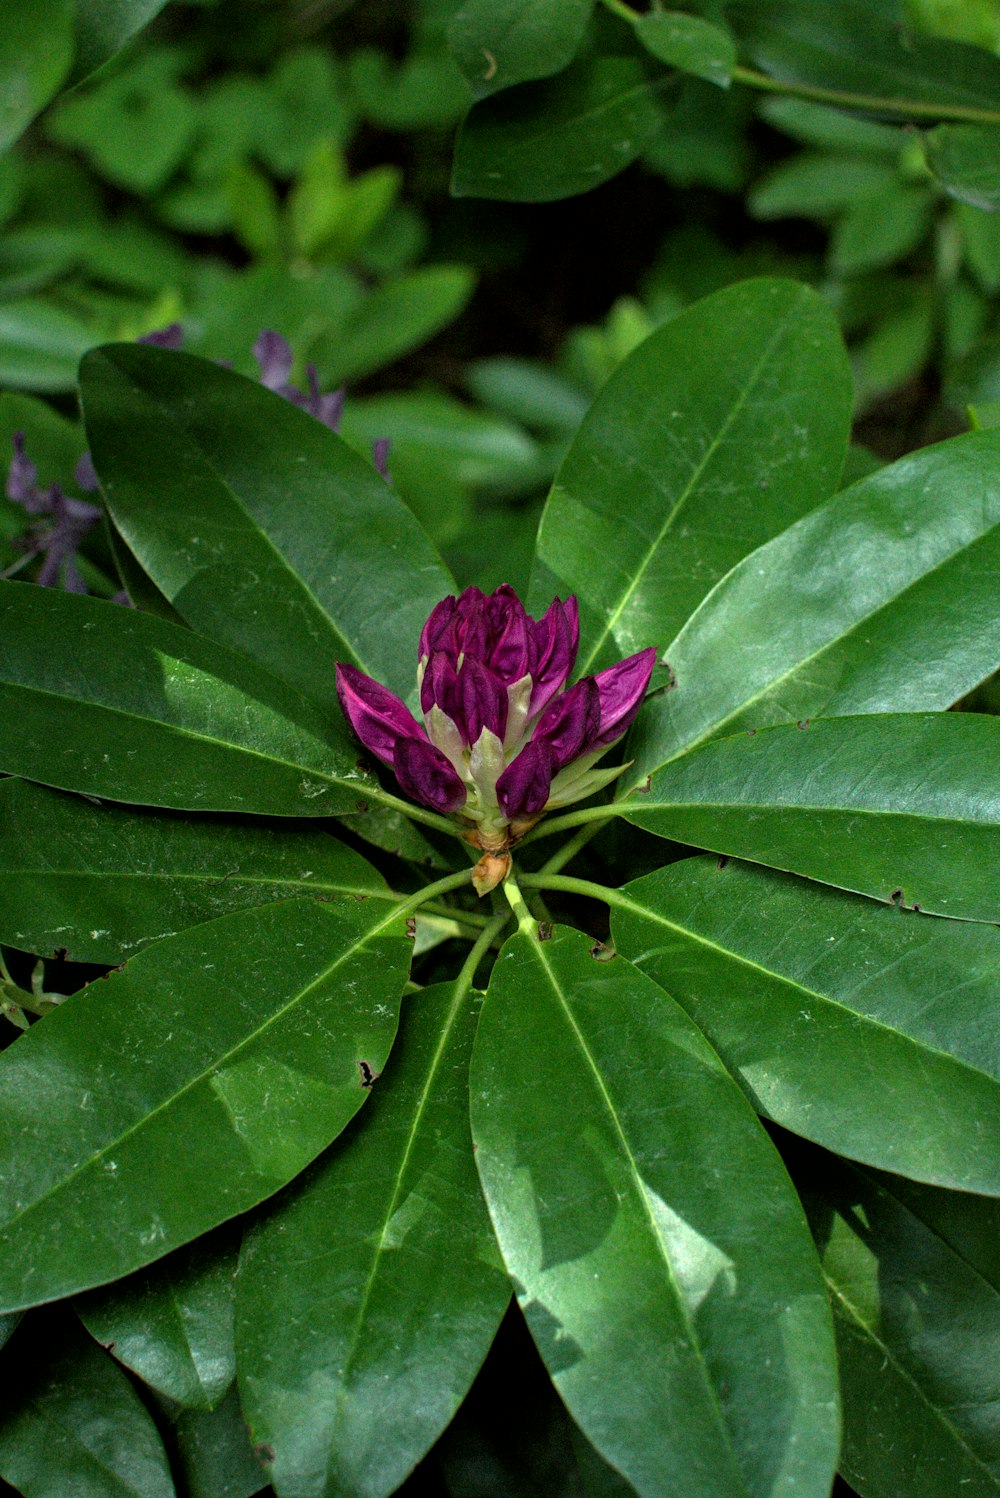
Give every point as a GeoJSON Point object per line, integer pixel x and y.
{"type": "Point", "coordinates": [61, 523]}
{"type": "Point", "coordinates": [503, 739]}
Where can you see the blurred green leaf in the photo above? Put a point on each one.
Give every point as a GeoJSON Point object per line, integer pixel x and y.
{"type": "Point", "coordinates": [689, 43]}
{"type": "Point", "coordinates": [891, 806]}
{"type": "Point", "coordinates": [104, 26]}
{"type": "Point", "coordinates": [966, 161]}
{"type": "Point", "coordinates": [832, 129]}
{"type": "Point", "coordinates": [99, 882]}
{"type": "Point", "coordinates": [498, 43]}
{"type": "Point", "coordinates": [71, 1422]}
{"type": "Point", "coordinates": [629, 1227]}
{"type": "Point", "coordinates": [254, 210]}
{"type": "Point", "coordinates": [258, 524]}
{"type": "Point", "coordinates": [721, 428]}
{"type": "Point", "coordinates": [974, 21]}
{"type": "Point", "coordinates": [981, 245]}
{"type": "Point", "coordinates": [818, 185]}
{"type": "Point", "coordinates": [41, 345]}
{"type": "Point", "coordinates": [388, 1319]}
{"type": "Point", "coordinates": [877, 231]}
{"type": "Point", "coordinates": [251, 1068]}
{"type": "Point", "coordinates": [528, 392]}
{"type": "Point", "coordinates": [172, 1324]}
{"type": "Point", "coordinates": [562, 136]}
{"type": "Point", "coordinates": [37, 54]}
{"type": "Point", "coordinates": [854, 1024]}
{"type": "Point", "coordinates": [425, 90]}
{"type": "Point", "coordinates": [396, 316]}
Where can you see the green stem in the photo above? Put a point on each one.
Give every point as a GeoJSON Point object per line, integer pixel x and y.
{"type": "Point", "coordinates": [429, 892]}
{"type": "Point", "coordinates": [570, 849]}
{"type": "Point", "coordinates": [586, 814]}
{"type": "Point", "coordinates": [454, 913]}
{"type": "Point", "coordinates": [467, 974]}
{"type": "Point", "coordinates": [525, 920]}
{"type": "Point", "coordinates": [913, 109]}
{"type": "Point", "coordinates": [570, 886]}
{"type": "Point", "coordinates": [411, 810]}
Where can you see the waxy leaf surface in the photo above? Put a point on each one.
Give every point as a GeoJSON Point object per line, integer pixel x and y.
{"type": "Point", "coordinates": [851, 610]}
{"type": "Point", "coordinates": [100, 881]}
{"type": "Point", "coordinates": [866, 1028]}
{"type": "Point", "coordinates": [659, 1252]}
{"type": "Point", "coordinates": [104, 26]}
{"type": "Point", "coordinates": [72, 1424]}
{"type": "Point", "coordinates": [261, 527]}
{"type": "Point", "coordinates": [917, 1336]}
{"type": "Point", "coordinates": [722, 428]}
{"type": "Point", "coordinates": [902, 807]}
{"type": "Point", "coordinates": [187, 1087]}
{"type": "Point", "coordinates": [497, 43]}
{"type": "Point", "coordinates": [213, 1452]}
{"type": "Point", "coordinates": [104, 700]}
{"type": "Point", "coordinates": [172, 1323]}
{"type": "Point", "coordinates": [369, 1296]}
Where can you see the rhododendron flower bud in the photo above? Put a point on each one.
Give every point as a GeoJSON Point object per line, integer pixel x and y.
{"type": "Point", "coordinates": [502, 739]}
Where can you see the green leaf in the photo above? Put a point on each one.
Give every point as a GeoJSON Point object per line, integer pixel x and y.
{"type": "Point", "coordinates": [862, 1027]}
{"type": "Point", "coordinates": [497, 43]}
{"type": "Point", "coordinates": [104, 26]}
{"type": "Point", "coordinates": [966, 161]}
{"type": "Point", "coordinates": [917, 1333]}
{"type": "Point", "coordinates": [689, 43]}
{"type": "Point", "coordinates": [104, 700]}
{"type": "Point", "coordinates": [900, 807]}
{"type": "Point", "coordinates": [397, 316]}
{"type": "Point", "coordinates": [37, 53]}
{"type": "Point", "coordinates": [815, 185]}
{"type": "Point", "coordinates": [650, 1230]}
{"type": "Point", "coordinates": [563, 136]}
{"type": "Point", "coordinates": [355, 1347]}
{"type": "Point", "coordinates": [851, 610]}
{"type": "Point", "coordinates": [172, 1324]}
{"type": "Point", "coordinates": [718, 431]}
{"type": "Point", "coordinates": [214, 1455]}
{"type": "Point", "coordinates": [249, 1069]}
{"type": "Point", "coordinates": [261, 527]}
{"type": "Point", "coordinates": [41, 345]}
{"type": "Point", "coordinates": [98, 882]}
{"type": "Point", "coordinates": [878, 231]}
{"type": "Point", "coordinates": [71, 1422]}
{"type": "Point", "coordinates": [847, 45]}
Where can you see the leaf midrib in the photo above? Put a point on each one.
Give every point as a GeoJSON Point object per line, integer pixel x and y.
{"type": "Point", "coordinates": [686, 492]}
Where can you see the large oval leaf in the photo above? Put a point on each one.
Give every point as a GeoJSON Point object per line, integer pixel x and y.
{"type": "Point", "coordinates": [851, 610]}
{"type": "Point", "coordinates": [72, 1423]}
{"type": "Point", "coordinates": [716, 433]}
{"type": "Point", "coordinates": [104, 26]}
{"type": "Point", "coordinates": [37, 53]}
{"type": "Point", "coordinates": [356, 1346]}
{"type": "Point", "coordinates": [98, 882]}
{"type": "Point", "coordinates": [917, 1336]}
{"type": "Point", "coordinates": [901, 806]}
{"type": "Point", "coordinates": [186, 1087]}
{"type": "Point", "coordinates": [659, 1251]}
{"type": "Point", "coordinates": [261, 527]}
{"type": "Point", "coordinates": [866, 1028]}
{"type": "Point", "coordinates": [107, 701]}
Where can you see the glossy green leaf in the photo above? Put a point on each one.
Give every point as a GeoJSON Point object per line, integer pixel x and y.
{"type": "Point", "coordinates": [37, 53]}
{"type": "Point", "coordinates": [71, 1422]}
{"type": "Point", "coordinates": [968, 1224]}
{"type": "Point", "coordinates": [172, 1324]}
{"type": "Point", "coordinates": [917, 1334]}
{"type": "Point", "coordinates": [213, 1452]}
{"type": "Point", "coordinates": [563, 136]}
{"type": "Point", "coordinates": [104, 26]}
{"type": "Point", "coordinates": [866, 1028]}
{"type": "Point", "coordinates": [966, 161]}
{"type": "Point", "coordinates": [247, 1069]}
{"type": "Point", "coordinates": [659, 1253]}
{"type": "Point", "coordinates": [852, 46]}
{"type": "Point", "coordinates": [497, 43]}
{"type": "Point", "coordinates": [98, 882]}
{"type": "Point", "coordinates": [851, 610]}
{"type": "Point", "coordinates": [104, 700]}
{"type": "Point", "coordinates": [719, 430]}
{"type": "Point", "coordinates": [356, 1346]}
{"type": "Point", "coordinates": [689, 43]}
{"type": "Point", "coordinates": [901, 807]}
{"type": "Point", "coordinates": [261, 527]}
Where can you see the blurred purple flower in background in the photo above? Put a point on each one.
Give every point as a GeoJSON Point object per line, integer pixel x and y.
{"type": "Point", "coordinates": [503, 739]}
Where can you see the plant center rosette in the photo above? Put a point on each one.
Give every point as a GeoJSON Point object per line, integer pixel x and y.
{"type": "Point", "coordinates": [503, 740]}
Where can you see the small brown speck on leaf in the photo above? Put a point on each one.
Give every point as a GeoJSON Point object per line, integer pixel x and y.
{"type": "Point", "coordinates": [264, 1451]}
{"type": "Point", "coordinates": [544, 930]}
{"type": "Point", "coordinates": [411, 926]}
{"type": "Point", "coordinates": [368, 1073]}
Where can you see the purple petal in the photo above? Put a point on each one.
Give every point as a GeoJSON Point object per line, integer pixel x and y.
{"type": "Point", "coordinates": [557, 635]}
{"type": "Point", "coordinates": [484, 701]}
{"type": "Point", "coordinates": [380, 456]}
{"type": "Point", "coordinates": [472, 624]}
{"type": "Point", "coordinates": [622, 689]}
{"type": "Point", "coordinates": [510, 656]}
{"type": "Point", "coordinates": [523, 788]}
{"type": "Point", "coordinates": [571, 723]}
{"type": "Point", "coordinates": [274, 359]}
{"type": "Point", "coordinates": [427, 775]}
{"type": "Point", "coordinates": [22, 480]}
{"type": "Point", "coordinates": [377, 715]}
{"type": "Point", "coordinates": [85, 475]}
{"type": "Point", "coordinates": [171, 336]}
{"type": "Point", "coordinates": [438, 624]}
{"type": "Point", "coordinates": [329, 408]}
